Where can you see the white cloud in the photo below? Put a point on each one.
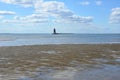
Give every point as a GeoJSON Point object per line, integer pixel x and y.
{"type": "Point", "coordinates": [34, 18]}
{"type": "Point", "coordinates": [75, 19]}
{"type": "Point", "coordinates": [50, 7]}
{"type": "Point", "coordinates": [59, 10]}
{"type": "Point", "coordinates": [26, 21]}
{"type": "Point", "coordinates": [81, 19]}
{"type": "Point", "coordinates": [115, 16]}
{"type": "Point", "coordinates": [24, 3]}
{"type": "Point", "coordinates": [47, 9]}
{"type": "Point", "coordinates": [85, 3]}
{"type": "Point", "coordinates": [7, 13]}
{"type": "Point", "coordinates": [98, 3]}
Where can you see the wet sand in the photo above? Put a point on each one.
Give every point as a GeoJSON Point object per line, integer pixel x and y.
{"type": "Point", "coordinates": [60, 62]}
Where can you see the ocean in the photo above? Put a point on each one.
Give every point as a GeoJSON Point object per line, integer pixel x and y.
{"type": "Point", "coordinates": [44, 39]}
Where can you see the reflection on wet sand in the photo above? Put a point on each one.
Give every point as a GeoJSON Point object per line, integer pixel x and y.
{"type": "Point", "coordinates": [60, 62]}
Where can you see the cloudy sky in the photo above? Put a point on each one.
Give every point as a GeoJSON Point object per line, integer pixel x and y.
{"type": "Point", "coordinates": [67, 16]}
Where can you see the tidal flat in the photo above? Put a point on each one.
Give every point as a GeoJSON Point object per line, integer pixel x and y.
{"type": "Point", "coordinates": [60, 62]}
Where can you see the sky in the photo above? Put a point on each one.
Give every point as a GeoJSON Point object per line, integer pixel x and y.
{"type": "Point", "coordinates": [67, 16]}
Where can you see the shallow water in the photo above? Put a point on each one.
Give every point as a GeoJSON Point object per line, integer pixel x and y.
{"type": "Point", "coordinates": [60, 62]}
{"type": "Point", "coordinates": [41, 39]}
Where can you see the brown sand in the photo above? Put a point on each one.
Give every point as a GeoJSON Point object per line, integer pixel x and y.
{"type": "Point", "coordinates": [27, 60]}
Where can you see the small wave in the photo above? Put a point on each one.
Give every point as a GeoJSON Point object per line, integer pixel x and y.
{"type": "Point", "coordinates": [7, 39]}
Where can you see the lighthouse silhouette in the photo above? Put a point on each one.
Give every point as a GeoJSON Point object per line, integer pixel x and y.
{"type": "Point", "coordinates": [54, 31]}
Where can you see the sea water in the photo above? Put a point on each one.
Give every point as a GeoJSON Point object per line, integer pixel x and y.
{"type": "Point", "coordinates": [41, 39]}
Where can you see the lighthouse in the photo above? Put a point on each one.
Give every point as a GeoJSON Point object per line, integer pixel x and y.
{"type": "Point", "coordinates": [54, 31]}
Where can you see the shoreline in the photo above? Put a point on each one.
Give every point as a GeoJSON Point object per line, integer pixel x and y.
{"type": "Point", "coordinates": [114, 43]}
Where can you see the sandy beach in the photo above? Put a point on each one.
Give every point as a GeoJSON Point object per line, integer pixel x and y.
{"type": "Point", "coordinates": [60, 62]}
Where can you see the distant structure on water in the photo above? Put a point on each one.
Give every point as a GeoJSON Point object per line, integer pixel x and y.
{"type": "Point", "coordinates": [54, 31]}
